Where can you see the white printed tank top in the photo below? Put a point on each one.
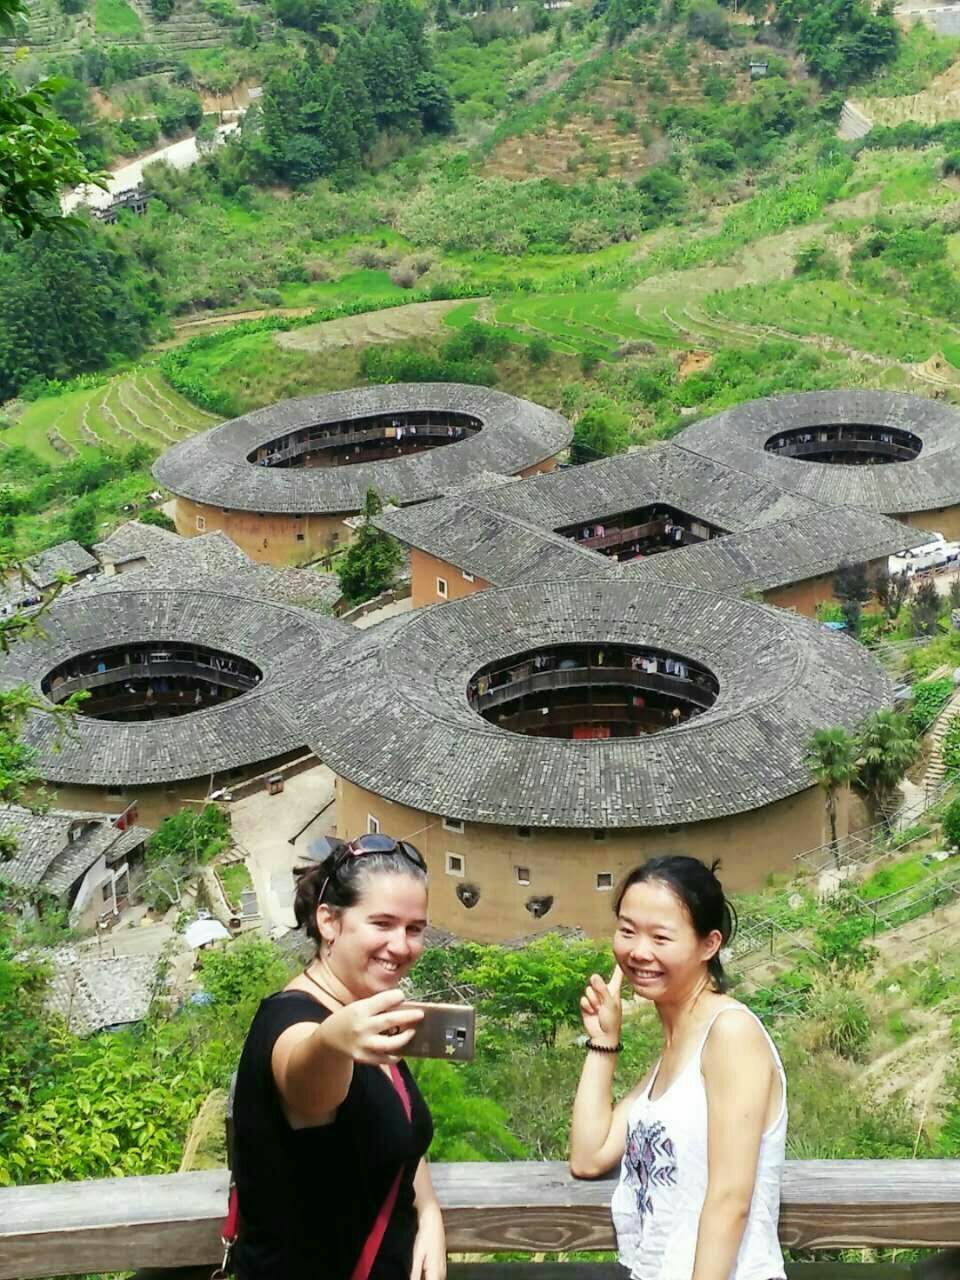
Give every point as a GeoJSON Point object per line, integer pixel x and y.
{"type": "Point", "coordinates": [663, 1180]}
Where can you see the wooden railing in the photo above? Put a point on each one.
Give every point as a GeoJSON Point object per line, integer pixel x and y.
{"type": "Point", "coordinates": [573, 677]}
{"type": "Point", "coordinates": [174, 1221]}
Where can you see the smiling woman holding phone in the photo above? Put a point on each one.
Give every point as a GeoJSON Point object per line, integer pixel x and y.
{"type": "Point", "coordinates": [330, 1129]}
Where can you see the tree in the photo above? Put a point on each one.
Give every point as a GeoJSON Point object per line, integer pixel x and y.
{"type": "Point", "coordinates": [850, 583]}
{"type": "Point", "coordinates": [891, 590]}
{"type": "Point", "coordinates": [178, 848]}
{"type": "Point", "coordinates": [466, 1126]}
{"type": "Point", "coordinates": [371, 560]}
{"type": "Point", "coordinates": [82, 522]}
{"type": "Point", "coordinates": [68, 305]}
{"type": "Point", "coordinates": [951, 824]}
{"type": "Point", "coordinates": [832, 761]}
{"type": "Point", "coordinates": [38, 150]}
{"type": "Point", "coordinates": [159, 519]}
{"type": "Point", "coordinates": [540, 983]}
{"type": "Point", "coordinates": [247, 970]}
{"type": "Point", "coordinates": [601, 431]}
{"type": "Point", "coordinates": [886, 748]}
{"type": "Point", "coordinates": [925, 609]}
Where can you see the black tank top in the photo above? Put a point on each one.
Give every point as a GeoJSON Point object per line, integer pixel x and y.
{"type": "Point", "coordinates": [309, 1197]}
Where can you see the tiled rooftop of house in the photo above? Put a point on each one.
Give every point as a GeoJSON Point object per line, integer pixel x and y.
{"type": "Point", "coordinates": [214, 468]}
{"type": "Point", "coordinates": [390, 712]}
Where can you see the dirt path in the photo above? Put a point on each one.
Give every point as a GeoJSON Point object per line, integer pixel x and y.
{"type": "Point", "coordinates": [231, 317]}
{"type": "Point", "coordinates": [396, 324]}
{"type": "Point", "coordinates": [906, 944]}
{"type": "Point", "coordinates": [913, 1072]}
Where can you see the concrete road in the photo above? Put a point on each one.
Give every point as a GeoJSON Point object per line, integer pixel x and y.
{"type": "Point", "coordinates": [181, 155]}
{"type": "Point", "coordinates": [262, 827]}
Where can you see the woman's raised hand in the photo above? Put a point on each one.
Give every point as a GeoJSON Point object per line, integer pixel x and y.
{"type": "Point", "coordinates": [374, 1030]}
{"type": "Point", "coordinates": [602, 1008]}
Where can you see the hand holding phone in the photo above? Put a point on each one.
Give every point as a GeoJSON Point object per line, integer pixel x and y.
{"type": "Point", "coordinates": [445, 1031]}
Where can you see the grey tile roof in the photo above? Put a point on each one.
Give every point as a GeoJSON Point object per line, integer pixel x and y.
{"type": "Point", "coordinates": [661, 473]}
{"type": "Point", "coordinates": [737, 437]}
{"type": "Point", "coordinates": [390, 712]}
{"type": "Point", "coordinates": [279, 639]}
{"type": "Point", "coordinates": [500, 548]}
{"type": "Point", "coordinates": [47, 859]}
{"type": "Point", "coordinates": [212, 467]}
{"type": "Point", "coordinates": [211, 560]}
{"type": "Point", "coordinates": [779, 554]}
{"type": "Point", "coordinates": [65, 557]}
{"type": "Point", "coordinates": [42, 571]}
{"type": "Point", "coordinates": [91, 992]}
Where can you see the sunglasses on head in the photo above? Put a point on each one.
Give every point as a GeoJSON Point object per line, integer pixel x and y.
{"type": "Point", "coordinates": [373, 844]}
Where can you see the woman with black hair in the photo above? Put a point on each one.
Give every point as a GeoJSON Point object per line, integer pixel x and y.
{"type": "Point", "coordinates": [330, 1129]}
{"type": "Point", "coordinates": [701, 1138]}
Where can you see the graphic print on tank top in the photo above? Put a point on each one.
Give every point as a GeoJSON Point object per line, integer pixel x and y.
{"type": "Point", "coordinates": [651, 1161]}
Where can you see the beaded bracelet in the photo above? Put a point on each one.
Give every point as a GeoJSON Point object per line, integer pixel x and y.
{"type": "Point", "coordinates": [606, 1048]}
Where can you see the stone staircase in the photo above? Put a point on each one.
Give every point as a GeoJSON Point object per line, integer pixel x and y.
{"type": "Point", "coordinates": [936, 770]}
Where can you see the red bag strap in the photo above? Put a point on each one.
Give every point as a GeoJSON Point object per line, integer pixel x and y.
{"type": "Point", "coordinates": [231, 1225]}
{"type": "Point", "coordinates": [374, 1240]}
{"type": "Point", "coordinates": [229, 1233]}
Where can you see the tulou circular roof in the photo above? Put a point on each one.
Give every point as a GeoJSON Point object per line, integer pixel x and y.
{"type": "Point", "coordinates": [389, 711]}
{"type": "Point", "coordinates": [213, 467]}
{"type": "Point", "coordinates": [737, 438]}
{"type": "Point", "coordinates": [254, 726]}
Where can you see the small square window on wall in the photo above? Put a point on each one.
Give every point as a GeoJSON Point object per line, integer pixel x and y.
{"type": "Point", "coordinates": [201, 524]}
{"type": "Point", "coordinates": [456, 865]}
{"type": "Point", "coordinates": [599, 834]}
{"type": "Point", "coordinates": [524, 833]}
{"type": "Point", "coordinates": [442, 588]}
{"type": "Point", "coordinates": [523, 875]}
{"type": "Point", "coordinates": [604, 880]}
{"type": "Point", "coordinates": [453, 824]}
{"type": "Point", "coordinates": [467, 577]}
{"type": "Point", "coordinates": [300, 537]}
{"type": "Point", "coordinates": [373, 825]}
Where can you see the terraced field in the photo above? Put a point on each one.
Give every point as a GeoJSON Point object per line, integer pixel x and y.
{"type": "Point", "coordinates": [586, 322]}
{"type": "Point", "coordinates": [129, 409]}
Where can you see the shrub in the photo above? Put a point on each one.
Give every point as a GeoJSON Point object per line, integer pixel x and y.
{"type": "Point", "coordinates": [929, 699]}
{"type": "Point", "coordinates": [842, 943]}
{"type": "Point", "coordinates": [842, 1021]}
{"type": "Point", "coordinates": [404, 277]}
{"type": "Point", "coordinates": [814, 259]}
{"type": "Point", "coordinates": [950, 746]}
{"type": "Point", "coordinates": [951, 824]}
{"type": "Point", "coordinates": [538, 352]}
{"type": "Point", "coordinates": [707, 21]}
{"type": "Point", "coordinates": [716, 154]}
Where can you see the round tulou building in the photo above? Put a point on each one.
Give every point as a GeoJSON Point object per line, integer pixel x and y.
{"type": "Point", "coordinates": [281, 481]}
{"type": "Point", "coordinates": [187, 690]}
{"type": "Point", "coordinates": [882, 451]}
{"type": "Point", "coordinates": [537, 741]}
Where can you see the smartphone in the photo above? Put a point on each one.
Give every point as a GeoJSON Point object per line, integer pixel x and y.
{"type": "Point", "coordinates": [446, 1031]}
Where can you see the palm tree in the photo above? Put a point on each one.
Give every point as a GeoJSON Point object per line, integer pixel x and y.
{"type": "Point", "coordinates": [832, 760]}
{"type": "Point", "coordinates": [886, 748]}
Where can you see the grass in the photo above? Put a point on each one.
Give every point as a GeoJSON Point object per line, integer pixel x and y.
{"type": "Point", "coordinates": [833, 309]}
{"type": "Point", "coordinates": [353, 287]}
{"type": "Point", "coordinates": [235, 879]}
{"type": "Point", "coordinates": [923, 55]}
{"type": "Point", "coordinates": [897, 876]}
{"type": "Point", "coordinates": [590, 322]}
{"type": "Point", "coordinates": [131, 407]}
{"type": "Point", "coordinates": [116, 18]}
